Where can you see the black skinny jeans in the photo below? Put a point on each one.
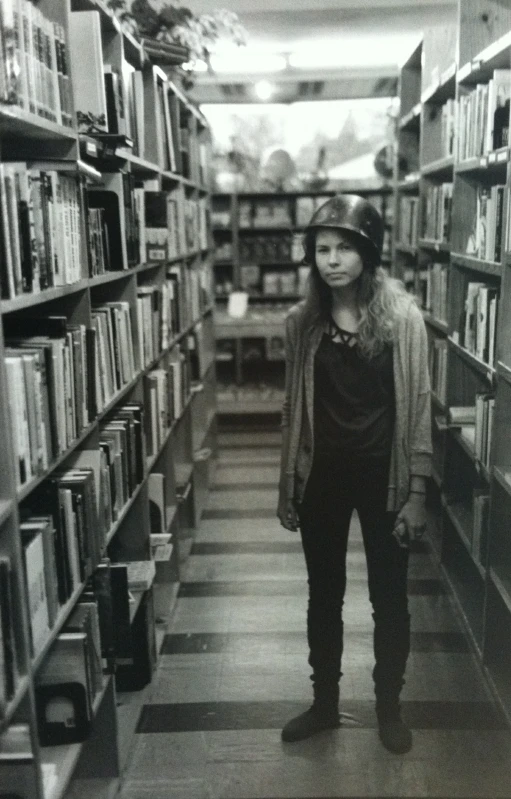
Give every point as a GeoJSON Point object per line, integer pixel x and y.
{"type": "Point", "coordinates": [334, 489]}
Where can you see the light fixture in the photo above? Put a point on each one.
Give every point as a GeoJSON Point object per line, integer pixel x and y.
{"type": "Point", "coordinates": [264, 90]}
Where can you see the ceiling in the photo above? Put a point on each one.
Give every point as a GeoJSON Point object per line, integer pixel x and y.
{"type": "Point", "coordinates": [367, 40]}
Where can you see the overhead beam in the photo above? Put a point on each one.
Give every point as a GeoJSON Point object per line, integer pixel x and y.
{"type": "Point", "coordinates": [262, 6]}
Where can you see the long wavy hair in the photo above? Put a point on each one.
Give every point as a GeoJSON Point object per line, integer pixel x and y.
{"type": "Point", "coordinates": [381, 299]}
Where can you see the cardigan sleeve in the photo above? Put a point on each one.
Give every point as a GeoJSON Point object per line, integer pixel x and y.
{"type": "Point", "coordinates": [420, 419]}
{"type": "Point", "coordinates": [286, 490]}
{"type": "Point", "coordinates": [289, 352]}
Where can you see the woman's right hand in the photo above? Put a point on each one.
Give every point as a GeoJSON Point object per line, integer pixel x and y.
{"type": "Point", "coordinates": [288, 515]}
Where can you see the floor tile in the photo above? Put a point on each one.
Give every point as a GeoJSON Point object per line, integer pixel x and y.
{"type": "Point", "coordinates": [233, 669]}
{"type": "Point", "coordinates": [243, 475]}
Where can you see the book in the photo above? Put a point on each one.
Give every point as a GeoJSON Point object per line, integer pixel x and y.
{"type": "Point", "coordinates": [85, 619]}
{"type": "Point", "coordinates": [461, 415]}
{"type": "Point", "coordinates": [135, 675]}
{"type": "Point", "coordinates": [85, 47]}
{"type": "Point", "coordinates": [156, 489]}
{"type": "Point", "coordinates": [140, 574]}
{"type": "Point", "coordinates": [46, 526]}
{"type": "Point", "coordinates": [8, 651]}
{"type": "Point", "coordinates": [35, 585]}
{"type": "Point", "coordinates": [123, 641]}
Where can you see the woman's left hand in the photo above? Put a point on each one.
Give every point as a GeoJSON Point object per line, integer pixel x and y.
{"type": "Point", "coordinates": [411, 520]}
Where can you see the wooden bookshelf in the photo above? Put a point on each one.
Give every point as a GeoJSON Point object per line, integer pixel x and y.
{"type": "Point", "coordinates": [170, 154]}
{"type": "Point", "coordinates": [469, 504]}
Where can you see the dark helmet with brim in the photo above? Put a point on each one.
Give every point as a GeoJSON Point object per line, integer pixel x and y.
{"type": "Point", "coordinates": [354, 214]}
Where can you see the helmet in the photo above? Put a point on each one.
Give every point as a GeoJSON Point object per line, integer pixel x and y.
{"type": "Point", "coordinates": [353, 213]}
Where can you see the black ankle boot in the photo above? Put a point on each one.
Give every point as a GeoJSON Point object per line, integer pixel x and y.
{"type": "Point", "coordinates": [394, 734]}
{"type": "Point", "coordinates": [314, 720]}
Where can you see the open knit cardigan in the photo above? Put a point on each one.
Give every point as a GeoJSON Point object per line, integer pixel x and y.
{"type": "Point", "coordinates": [411, 446]}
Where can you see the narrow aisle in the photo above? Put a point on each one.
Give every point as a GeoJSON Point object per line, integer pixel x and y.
{"type": "Point", "coordinates": [233, 670]}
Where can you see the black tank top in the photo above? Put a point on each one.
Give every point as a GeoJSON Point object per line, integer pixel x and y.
{"type": "Point", "coordinates": [354, 400]}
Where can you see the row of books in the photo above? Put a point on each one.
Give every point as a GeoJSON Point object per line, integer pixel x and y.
{"type": "Point", "coordinates": [287, 281]}
{"type": "Point", "coordinates": [486, 239]}
{"type": "Point", "coordinates": [437, 211]}
{"type": "Point", "coordinates": [158, 314]}
{"type": "Point", "coordinates": [479, 321]}
{"type": "Point", "coordinates": [40, 230]}
{"type": "Point", "coordinates": [476, 424]}
{"type": "Point", "coordinates": [99, 637]}
{"type": "Point", "coordinates": [448, 126]}
{"type": "Point", "coordinates": [60, 376]}
{"type": "Point", "coordinates": [169, 225]}
{"type": "Point", "coordinates": [223, 251]}
{"type": "Point", "coordinates": [221, 218]}
{"type": "Point", "coordinates": [274, 212]}
{"type": "Point", "coordinates": [271, 248]}
{"type": "Point", "coordinates": [438, 368]}
{"type": "Point", "coordinates": [408, 224]}
{"type": "Point", "coordinates": [72, 511]}
{"type": "Point", "coordinates": [45, 213]}
{"type": "Point", "coordinates": [166, 391]}
{"type": "Point", "coordinates": [34, 58]}
{"type": "Point", "coordinates": [114, 363]}
{"type": "Point", "coordinates": [433, 283]}
{"type": "Point", "coordinates": [483, 116]}
{"type": "Point", "coordinates": [51, 389]}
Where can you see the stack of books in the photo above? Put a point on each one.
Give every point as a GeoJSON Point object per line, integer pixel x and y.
{"type": "Point", "coordinates": [40, 229]}
{"type": "Point", "coordinates": [483, 117]}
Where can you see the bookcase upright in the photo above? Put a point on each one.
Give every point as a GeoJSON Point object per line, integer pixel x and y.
{"type": "Point", "coordinates": [107, 376]}
{"type": "Point", "coordinates": [459, 270]}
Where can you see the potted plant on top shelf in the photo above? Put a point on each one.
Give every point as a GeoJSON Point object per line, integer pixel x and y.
{"type": "Point", "coordinates": [172, 34]}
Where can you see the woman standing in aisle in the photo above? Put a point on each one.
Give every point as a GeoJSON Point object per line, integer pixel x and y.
{"type": "Point", "coordinates": [356, 435]}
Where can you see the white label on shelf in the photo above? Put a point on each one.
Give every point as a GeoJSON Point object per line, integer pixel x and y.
{"type": "Point", "coordinates": [455, 337]}
{"type": "Point", "coordinates": [492, 158]}
{"type": "Point", "coordinates": [503, 155]}
{"type": "Point", "coordinates": [483, 161]}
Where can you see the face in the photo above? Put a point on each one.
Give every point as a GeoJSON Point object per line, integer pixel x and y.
{"type": "Point", "coordinates": [338, 261]}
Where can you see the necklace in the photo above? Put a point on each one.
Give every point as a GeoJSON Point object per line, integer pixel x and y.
{"type": "Point", "coordinates": [337, 334]}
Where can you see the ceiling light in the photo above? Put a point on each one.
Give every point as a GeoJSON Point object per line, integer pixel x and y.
{"type": "Point", "coordinates": [264, 90]}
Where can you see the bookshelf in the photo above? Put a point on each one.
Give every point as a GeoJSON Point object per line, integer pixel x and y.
{"type": "Point", "coordinates": [460, 273]}
{"type": "Point", "coordinates": [107, 371]}
{"type": "Point", "coordinates": [258, 250]}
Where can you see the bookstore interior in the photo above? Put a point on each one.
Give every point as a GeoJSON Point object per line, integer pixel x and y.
{"type": "Point", "coordinates": [143, 302]}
